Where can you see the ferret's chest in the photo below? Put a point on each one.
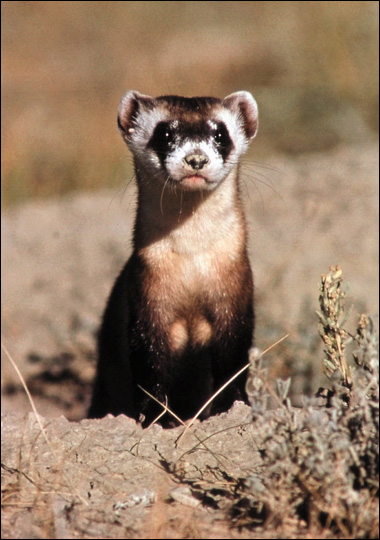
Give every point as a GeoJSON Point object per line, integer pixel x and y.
{"type": "Point", "coordinates": [184, 275]}
{"type": "Point", "coordinates": [190, 297]}
{"type": "Point", "coordinates": [190, 266]}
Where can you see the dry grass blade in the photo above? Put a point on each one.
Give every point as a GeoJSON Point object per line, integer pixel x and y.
{"type": "Point", "coordinates": [225, 386]}
{"type": "Point", "coordinates": [38, 419]}
{"type": "Point", "coordinates": [166, 408]}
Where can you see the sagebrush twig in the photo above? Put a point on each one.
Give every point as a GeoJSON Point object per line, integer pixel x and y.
{"type": "Point", "coordinates": [331, 318]}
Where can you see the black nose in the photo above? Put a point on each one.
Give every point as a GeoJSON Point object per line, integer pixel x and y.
{"type": "Point", "coordinates": [196, 161]}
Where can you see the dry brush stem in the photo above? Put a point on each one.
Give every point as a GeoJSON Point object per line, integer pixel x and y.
{"type": "Point", "coordinates": [331, 318]}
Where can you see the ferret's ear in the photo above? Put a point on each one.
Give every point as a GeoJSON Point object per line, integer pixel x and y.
{"type": "Point", "coordinates": [130, 106]}
{"type": "Point", "coordinates": [244, 105]}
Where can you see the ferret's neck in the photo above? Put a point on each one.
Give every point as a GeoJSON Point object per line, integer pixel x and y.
{"type": "Point", "coordinates": [182, 220]}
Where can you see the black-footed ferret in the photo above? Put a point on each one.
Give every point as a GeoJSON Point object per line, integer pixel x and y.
{"type": "Point", "coordinates": [179, 320]}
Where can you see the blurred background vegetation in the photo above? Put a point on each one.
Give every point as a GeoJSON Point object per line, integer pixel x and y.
{"type": "Point", "coordinates": [312, 66]}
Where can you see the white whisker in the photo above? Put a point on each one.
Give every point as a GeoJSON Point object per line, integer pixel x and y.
{"type": "Point", "coordinates": [162, 194]}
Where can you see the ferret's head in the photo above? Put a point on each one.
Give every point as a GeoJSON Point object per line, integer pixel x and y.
{"type": "Point", "coordinates": [190, 143]}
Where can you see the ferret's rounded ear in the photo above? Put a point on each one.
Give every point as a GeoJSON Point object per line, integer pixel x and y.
{"type": "Point", "coordinates": [244, 105]}
{"type": "Point", "coordinates": [129, 108]}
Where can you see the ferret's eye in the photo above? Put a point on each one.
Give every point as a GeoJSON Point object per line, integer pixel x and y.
{"type": "Point", "coordinates": [168, 136]}
{"type": "Point", "coordinates": [162, 138]}
{"type": "Point", "coordinates": [220, 135]}
{"type": "Point", "coordinates": [222, 139]}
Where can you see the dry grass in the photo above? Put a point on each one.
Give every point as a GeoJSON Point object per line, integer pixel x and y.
{"type": "Point", "coordinates": [40, 425]}
{"type": "Point", "coordinates": [320, 465]}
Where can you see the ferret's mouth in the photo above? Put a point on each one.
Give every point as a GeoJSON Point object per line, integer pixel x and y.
{"type": "Point", "coordinates": [195, 181]}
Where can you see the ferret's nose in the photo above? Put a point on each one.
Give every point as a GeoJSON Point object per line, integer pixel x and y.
{"type": "Point", "coordinates": [196, 160]}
